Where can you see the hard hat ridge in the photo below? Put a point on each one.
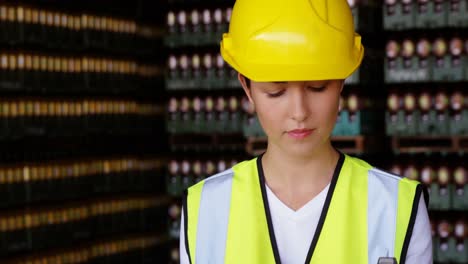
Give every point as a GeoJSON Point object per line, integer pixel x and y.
{"type": "Point", "coordinates": [300, 40]}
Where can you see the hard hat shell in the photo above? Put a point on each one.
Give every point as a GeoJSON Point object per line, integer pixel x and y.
{"type": "Point", "coordinates": [292, 40]}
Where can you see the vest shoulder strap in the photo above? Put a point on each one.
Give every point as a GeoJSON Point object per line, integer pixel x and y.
{"type": "Point", "coordinates": [207, 209]}
{"type": "Point", "coordinates": [404, 204]}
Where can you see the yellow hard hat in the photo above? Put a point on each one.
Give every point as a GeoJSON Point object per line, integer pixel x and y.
{"type": "Point", "coordinates": [293, 40]}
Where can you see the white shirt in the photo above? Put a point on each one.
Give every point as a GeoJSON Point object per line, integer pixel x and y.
{"type": "Point", "coordinates": [293, 243]}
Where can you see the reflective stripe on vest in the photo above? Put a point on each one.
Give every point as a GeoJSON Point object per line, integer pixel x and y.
{"type": "Point", "coordinates": [220, 237]}
{"type": "Point", "coordinates": [213, 219]}
{"type": "Point", "coordinates": [382, 193]}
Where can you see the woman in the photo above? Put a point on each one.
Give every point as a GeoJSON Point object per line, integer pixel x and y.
{"type": "Point", "coordinates": [302, 200]}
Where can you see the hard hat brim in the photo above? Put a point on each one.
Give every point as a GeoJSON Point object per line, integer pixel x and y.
{"type": "Point", "coordinates": [263, 72]}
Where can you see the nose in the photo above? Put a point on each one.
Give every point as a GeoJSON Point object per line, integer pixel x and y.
{"type": "Point", "coordinates": [298, 104]}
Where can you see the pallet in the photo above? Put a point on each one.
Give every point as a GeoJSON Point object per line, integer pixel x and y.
{"type": "Point", "coordinates": [352, 144]}
{"type": "Point", "coordinates": [356, 145]}
{"type": "Point", "coordinates": [430, 144]}
{"type": "Point", "coordinates": [206, 142]}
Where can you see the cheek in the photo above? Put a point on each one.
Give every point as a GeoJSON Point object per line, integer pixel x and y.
{"type": "Point", "coordinates": [325, 108]}
{"type": "Point", "coordinates": [271, 113]}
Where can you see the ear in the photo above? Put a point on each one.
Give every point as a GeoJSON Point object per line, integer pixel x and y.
{"type": "Point", "coordinates": [342, 85]}
{"type": "Point", "coordinates": [247, 90]}
{"type": "Point", "coordinates": [339, 100]}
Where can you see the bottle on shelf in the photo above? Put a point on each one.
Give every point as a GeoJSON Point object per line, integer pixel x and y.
{"type": "Point", "coordinates": [222, 114]}
{"type": "Point", "coordinates": [208, 35]}
{"type": "Point", "coordinates": [399, 15]}
{"type": "Point", "coordinates": [210, 117]}
{"type": "Point", "coordinates": [411, 172]}
{"type": "Point", "coordinates": [461, 241]}
{"type": "Point", "coordinates": [456, 62]}
{"type": "Point", "coordinates": [444, 193]}
{"type": "Point", "coordinates": [448, 65]}
{"type": "Point", "coordinates": [173, 76]}
{"type": "Point", "coordinates": [394, 117]}
{"type": "Point", "coordinates": [174, 220]}
{"type": "Point", "coordinates": [196, 81]}
{"type": "Point", "coordinates": [428, 118]}
{"type": "Point", "coordinates": [460, 193]}
{"type": "Point", "coordinates": [442, 110]}
{"type": "Point", "coordinates": [208, 75]}
{"type": "Point", "coordinates": [220, 25]}
{"type": "Point", "coordinates": [458, 121]}
{"type": "Point", "coordinates": [198, 125]}
{"type": "Point", "coordinates": [182, 28]}
{"type": "Point", "coordinates": [195, 36]}
{"type": "Point", "coordinates": [186, 172]}
{"type": "Point", "coordinates": [186, 110]}
{"type": "Point", "coordinates": [221, 166]}
{"type": "Point", "coordinates": [221, 78]}
{"type": "Point", "coordinates": [199, 172]}
{"type": "Point", "coordinates": [444, 241]}
{"type": "Point", "coordinates": [426, 62]}
{"type": "Point", "coordinates": [412, 116]}
{"type": "Point", "coordinates": [408, 51]}
{"type": "Point", "coordinates": [210, 168]}
{"type": "Point", "coordinates": [392, 61]}
{"type": "Point", "coordinates": [431, 14]}
{"type": "Point", "coordinates": [457, 13]}
{"type": "Point", "coordinates": [428, 178]}
{"type": "Point", "coordinates": [186, 72]}
{"type": "Point", "coordinates": [172, 29]}
{"type": "Point", "coordinates": [234, 123]}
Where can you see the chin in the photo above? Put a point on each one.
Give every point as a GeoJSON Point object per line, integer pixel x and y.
{"type": "Point", "coordinates": [303, 149]}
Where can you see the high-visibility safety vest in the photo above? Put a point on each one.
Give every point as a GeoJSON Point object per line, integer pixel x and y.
{"type": "Point", "coordinates": [367, 214]}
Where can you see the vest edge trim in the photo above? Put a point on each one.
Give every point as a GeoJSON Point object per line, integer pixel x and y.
{"type": "Point", "coordinates": [184, 206]}
{"type": "Point", "coordinates": [271, 231]}
{"type": "Point", "coordinates": [326, 206]}
{"type": "Point", "coordinates": [409, 230]}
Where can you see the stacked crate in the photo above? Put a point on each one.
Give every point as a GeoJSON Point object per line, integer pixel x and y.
{"type": "Point", "coordinates": [204, 108]}
{"type": "Point", "coordinates": [81, 173]}
{"type": "Point", "coordinates": [426, 73]}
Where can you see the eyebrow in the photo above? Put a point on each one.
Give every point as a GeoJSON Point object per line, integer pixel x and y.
{"type": "Point", "coordinates": [284, 82]}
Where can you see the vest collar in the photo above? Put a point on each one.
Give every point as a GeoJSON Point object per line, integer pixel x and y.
{"type": "Point", "coordinates": [323, 215]}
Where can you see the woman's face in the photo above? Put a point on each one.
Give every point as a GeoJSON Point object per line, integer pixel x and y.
{"type": "Point", "coordinates": [298, 117]}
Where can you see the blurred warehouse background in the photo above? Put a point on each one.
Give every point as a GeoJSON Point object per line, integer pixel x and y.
{"type": "Point", "coordinates": [109, 110]}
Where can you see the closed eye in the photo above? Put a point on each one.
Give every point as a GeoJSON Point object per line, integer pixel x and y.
{"type": "Point", "coordinates": [316, 89]}
{"type": "Point", "coordinates": [277, 94]}
{"type": "Point", "coordinates": [310, 88]}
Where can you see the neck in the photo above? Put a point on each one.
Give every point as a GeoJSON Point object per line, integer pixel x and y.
{"type": "Point", "coordinates": [299, 176]}
{"type": "Point", "coordinates": [289, 168]}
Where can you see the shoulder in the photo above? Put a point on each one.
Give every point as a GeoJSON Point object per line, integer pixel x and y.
{"type": "Point", "coordinates": [376, 172]}
{"type": "Point", "coordinates": [219, 177]}
{"type": "Point", "coordinates": [384, 180]}
{"type": "Point", "coordinates": [224, 176]}
{"type": "Point", "coordinates": [359, 164]}
{"type": "Point", "coordinates": [388, 176]}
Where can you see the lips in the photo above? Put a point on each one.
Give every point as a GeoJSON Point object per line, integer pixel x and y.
{"type": "Point", "coordinates": [300, 133]}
